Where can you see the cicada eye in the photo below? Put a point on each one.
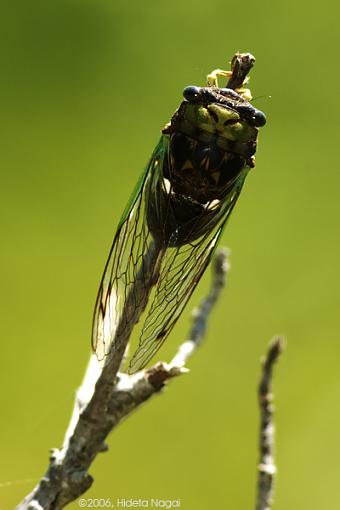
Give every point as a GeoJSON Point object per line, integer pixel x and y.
{"type": "Point", "coordinates": [191, 93]}
{"type": "Point", "coordinates": [259, 118]}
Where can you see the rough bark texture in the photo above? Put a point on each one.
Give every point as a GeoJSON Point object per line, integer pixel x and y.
{"type": "Point", "coordinates": [266, 466]}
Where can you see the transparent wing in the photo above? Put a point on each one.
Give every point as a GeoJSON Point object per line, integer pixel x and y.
{"type": "Point", "coordinates": [120, 301]}
{"type": "Point", "coordinates": [181, 270]}
{"type": "Point", "coordinates": [117, 299]}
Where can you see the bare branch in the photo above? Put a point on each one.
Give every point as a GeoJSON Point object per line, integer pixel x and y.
{"type": "Point", "coordinates": [266, 467]}
{"type": "Point", "coordinates": [102, 403]}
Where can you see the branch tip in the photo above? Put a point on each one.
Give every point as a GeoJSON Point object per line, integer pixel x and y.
{"type": "Point", "coordinates": [266, 466]}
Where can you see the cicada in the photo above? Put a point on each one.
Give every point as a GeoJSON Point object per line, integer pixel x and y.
{"type": "Point", "coordinates": [176, 215]}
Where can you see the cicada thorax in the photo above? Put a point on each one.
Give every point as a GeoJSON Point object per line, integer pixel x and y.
{"type": "Point", "coordinates": [200, 168]}
{"type": "Point", "coordinates": [207, 148]}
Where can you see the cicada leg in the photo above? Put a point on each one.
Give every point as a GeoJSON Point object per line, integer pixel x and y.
{"type": "Point", "coordinates": [245, 93]}
{"type": "Point", "coordinates": [212, 81]}
{"type": "Point", "coordinates": [212, 78]}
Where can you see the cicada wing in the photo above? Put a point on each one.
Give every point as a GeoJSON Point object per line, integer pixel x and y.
{"type": "Point", "coordinates": [180, 272]}
{"type": "Point", "coordinates": [128, 252]}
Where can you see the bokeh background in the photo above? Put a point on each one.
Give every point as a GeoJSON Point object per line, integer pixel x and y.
{"type": "Point", "coordinates": [85, 88]}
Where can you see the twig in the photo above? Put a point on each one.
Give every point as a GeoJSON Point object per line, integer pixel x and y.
{"type": "Point", "coordinates": [67, 475]}
{"type": "Point", "coordinates": [241, 65]}
{"type": "Point", "coordinates": [266, 467]}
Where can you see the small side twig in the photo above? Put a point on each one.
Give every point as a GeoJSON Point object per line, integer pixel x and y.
{"type": "Point", "coordinates": [241, 65]}
{"type": "Point", "coordinates": [266, 467]}
{"type": "Point", "coordinates": [67, 476]}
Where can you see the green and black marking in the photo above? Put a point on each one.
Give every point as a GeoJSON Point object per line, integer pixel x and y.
{"type": "Point", "coordinates": [179, 209]}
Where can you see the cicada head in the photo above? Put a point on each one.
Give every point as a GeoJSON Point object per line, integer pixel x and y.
{"type": "Point", "coordinates": [220, 115]}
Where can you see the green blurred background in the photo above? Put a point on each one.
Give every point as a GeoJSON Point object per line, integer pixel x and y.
{"type": "Point", "coordinates": [85, 88]}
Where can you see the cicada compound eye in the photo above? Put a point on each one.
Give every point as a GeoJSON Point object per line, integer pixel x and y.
{"type": "Point", "coordinates": [191, 93]}
{"type": "Point", "coordinates": [259, 118]}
